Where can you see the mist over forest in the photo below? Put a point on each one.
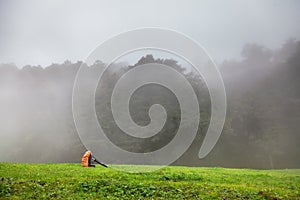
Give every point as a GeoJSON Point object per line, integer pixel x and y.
{"type": "Point", "coordinates": [261, 128]}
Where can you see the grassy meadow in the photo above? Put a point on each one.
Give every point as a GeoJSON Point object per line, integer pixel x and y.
{"type": "Point", "coordinates": [71, 181]}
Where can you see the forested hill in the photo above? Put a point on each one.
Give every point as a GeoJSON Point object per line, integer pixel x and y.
{"type": "Point", "coordinates": [261, 129]}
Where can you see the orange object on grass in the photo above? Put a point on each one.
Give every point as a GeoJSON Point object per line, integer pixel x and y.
{"type": "Point", "coordinates": [85, 159]}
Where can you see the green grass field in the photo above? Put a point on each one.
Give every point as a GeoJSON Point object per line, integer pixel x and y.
{"type": "Point", "coordinates": [71, 181]}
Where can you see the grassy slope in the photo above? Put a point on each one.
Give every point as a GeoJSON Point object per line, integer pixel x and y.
{"type": "Point", "coordinates": [71, 181]}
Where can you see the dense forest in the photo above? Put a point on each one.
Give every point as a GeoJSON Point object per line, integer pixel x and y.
{"type": "Point", "coordinates": [261, 128]}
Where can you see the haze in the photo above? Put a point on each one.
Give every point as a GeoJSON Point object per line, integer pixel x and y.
{"type": "Point", "coordinates": [256, 45]}
{"type": "Point", "coordinates": [44, 32]}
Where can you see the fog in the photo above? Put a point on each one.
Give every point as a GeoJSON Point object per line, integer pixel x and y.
{"type": "Point", "coordinates": [35, 106]}
{"type": "Point", "coordinates": [40, 33]}
{"type": "Point", "coordinates": [254, 43]}
{"type": "Point", "coordinates": [261, 129]}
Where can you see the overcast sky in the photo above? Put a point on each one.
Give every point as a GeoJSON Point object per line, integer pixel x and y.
{"type": "Point", "coordinates": [42, 32]}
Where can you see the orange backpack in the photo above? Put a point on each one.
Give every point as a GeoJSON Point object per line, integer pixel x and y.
{"type": "Point", "coordinates": [85, 159]}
